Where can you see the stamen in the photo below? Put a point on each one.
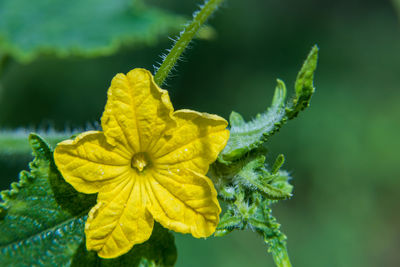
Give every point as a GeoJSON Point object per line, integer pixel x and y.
{"type": "Point", "coordinates": [140, 161]}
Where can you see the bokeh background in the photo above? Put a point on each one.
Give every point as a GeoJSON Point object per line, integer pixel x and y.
{"type": "Point", "coordinates": [343, 152]}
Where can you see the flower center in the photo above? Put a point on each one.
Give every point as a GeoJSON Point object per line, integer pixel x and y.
{"type": "Point", "coordinates": [140, 161]}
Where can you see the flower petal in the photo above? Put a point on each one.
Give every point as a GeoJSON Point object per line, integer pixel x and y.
{"type": "Point", "coordinates": [89, 162]}
{"type": "Point", "coordinates": [119, 220]}
{"type": "Point", "coordinates": [195, 142]}
{"type": "Point", "coordinates": [137, 111]}
{"type": "Point", "coordinates": [184, 201]}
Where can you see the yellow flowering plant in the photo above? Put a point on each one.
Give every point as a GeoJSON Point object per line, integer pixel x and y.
{"type": "Point", "coordinates": [149, 163]}
{"type": "Point", "coordinates": [113, 196]}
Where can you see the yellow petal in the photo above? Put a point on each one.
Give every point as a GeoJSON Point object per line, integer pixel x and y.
{"type": "Point", "coordinates": [137, 111]}
{"type": "Point", "coordinates": [119, 220]}
{"type": "Point", "coordinates": [183, 201]}
{"type": "Point", "coordinates": [194, 144]}
{"type": "Point", "coordinates": [89, 162]}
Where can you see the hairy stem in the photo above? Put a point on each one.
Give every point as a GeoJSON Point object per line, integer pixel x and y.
{"type": "Point", "coordinates": [280, 254]}
{"type": "Point", "coordinates": [199, 17]}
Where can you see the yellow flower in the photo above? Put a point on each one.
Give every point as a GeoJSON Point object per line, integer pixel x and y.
{"type": "Point", "coordinates": [148, 163]}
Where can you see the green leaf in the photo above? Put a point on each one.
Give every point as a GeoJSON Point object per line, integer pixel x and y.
{"type": "Point", "coordinates": [249, 188]}
{"type": "Point", "coordinates": [228, 223]}
{"type": "Point", "coordinates": [34, 230]}
{"type": "Point", "coordinates": [236, 119]}
{"type": "Point", "coordinates": [252, 173]}
{"type": "Point", "coordinates": [278, 163]}
{"type": "Point", "coordinates": [280, 182]}
{"type": "Point", "coordinates": [255, 176]}
{"type": "Point", "coordinates": [242, 177]}
{"type": "Point", "coordinates": [246, 136]}
{"type": "Point", "coordinates": [257, 217]}
{"type": "Point", "coordinates": [79, 27]}
{"type": "Point", "coordinates": [158, 251]}
{"type": "Point", "coordinates": [42, 222]}
{"type": "Point", "coordinates": [304, 86]}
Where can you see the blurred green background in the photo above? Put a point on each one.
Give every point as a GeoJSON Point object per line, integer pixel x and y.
{"type": "Point", "coordinates": [343, 152]}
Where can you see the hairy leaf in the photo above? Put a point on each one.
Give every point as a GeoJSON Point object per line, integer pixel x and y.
{"type": "Point", "coordinates": [304, 85]}
{"type": "Point", "coordinates": [251, 172]}
{"type": "Point", "coordinates": [254, 213]}
{"type": "Point", "coordinates": [255, 176]}
{"type": "Point", "coordinates": [34, 230]}
{"type": "Point", "coordinates": [246, 136]}
{"type": "Point", "coordinates": [228, 223]}
{"type": "Point", "coordinates": [249, 187]}
{"type": "Point", "coordinates": [257, 216]}
{"type": "Point", "coordinates": [243, 179]}
{"type": "Point", "coordinates": [79, 27]}
{"type": "Point", "coordinates": [43, 217]}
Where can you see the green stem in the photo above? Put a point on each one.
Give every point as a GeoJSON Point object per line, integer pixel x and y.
{"type": "Point", "coordinates": [185, 37]}
{"type": "Point", "coordinates": [280, 254]}
{"type": "Point", "coordinates": [276, 241]}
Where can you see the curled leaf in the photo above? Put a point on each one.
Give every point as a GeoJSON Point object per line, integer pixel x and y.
{"type": "Point", "coordinates": [246, 136]}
